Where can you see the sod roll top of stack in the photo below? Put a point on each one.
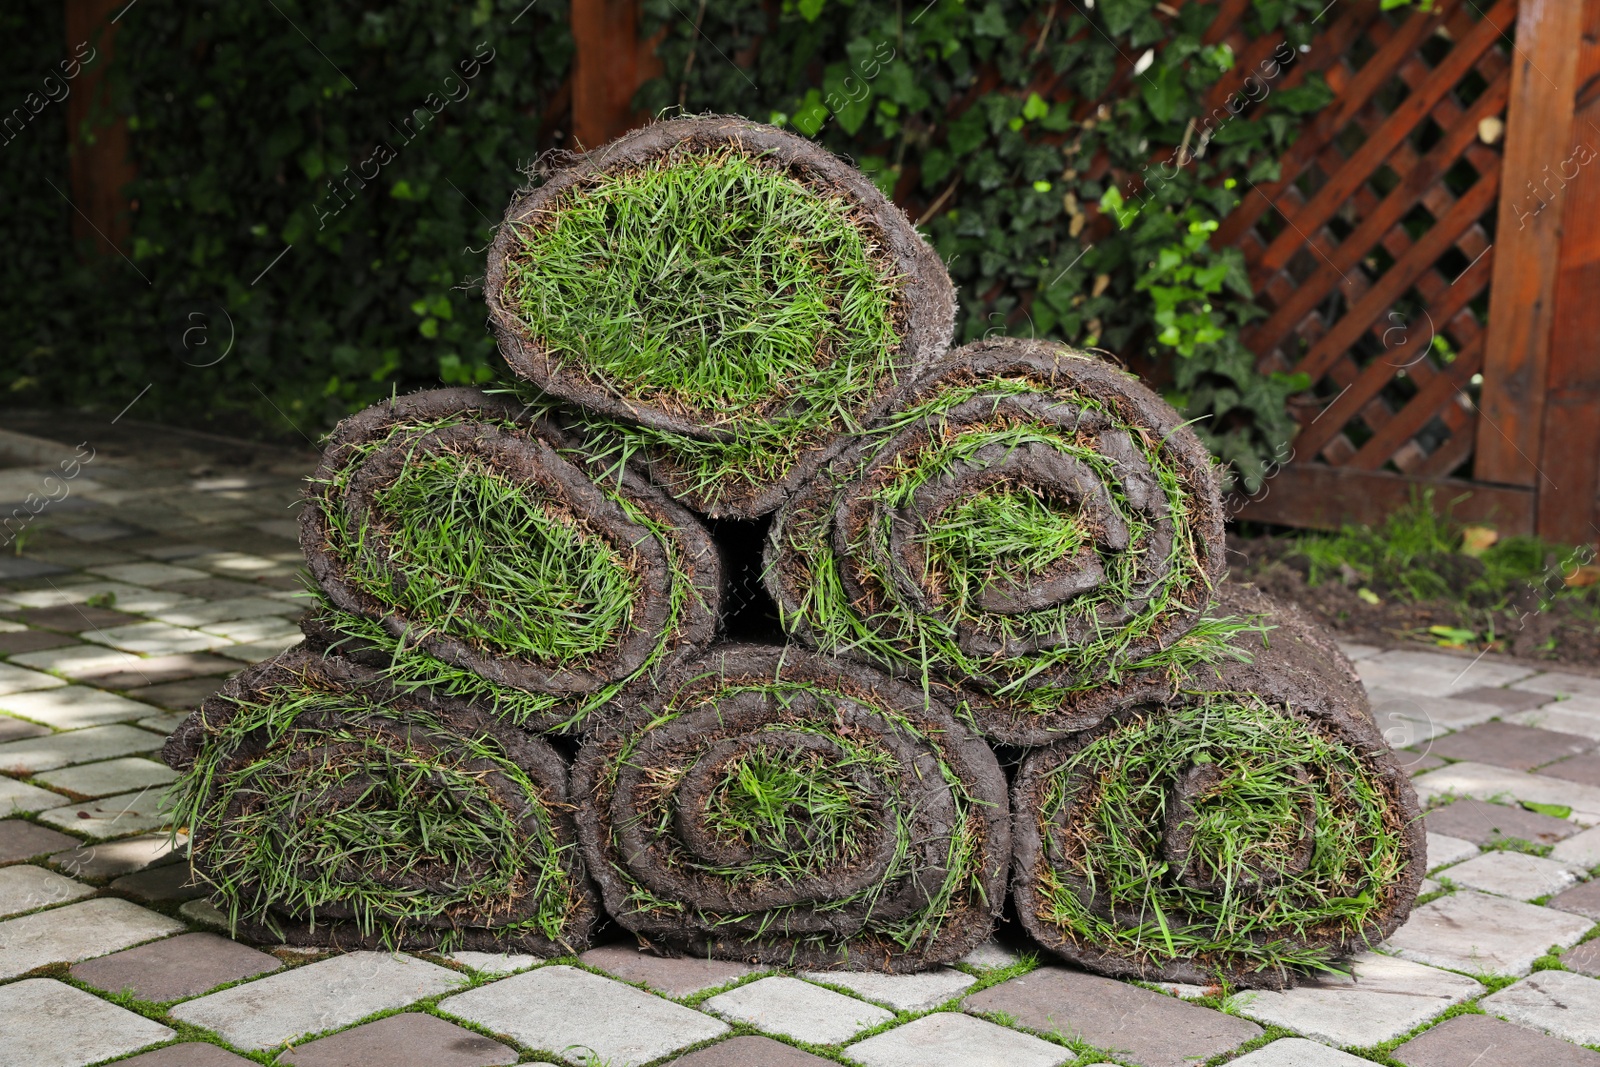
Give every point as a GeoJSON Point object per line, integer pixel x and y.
{"type": "Point", "coordinates": [725, 299]}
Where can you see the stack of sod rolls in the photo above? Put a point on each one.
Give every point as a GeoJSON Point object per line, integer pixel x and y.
{"type": "Point", "coordinates": [550, 677]}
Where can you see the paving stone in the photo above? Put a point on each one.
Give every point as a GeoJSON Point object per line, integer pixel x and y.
{"type": "Point", "coordinates": [25, 641]}
{"type": "Point", "coordinates": [1428, 887]}
{"type": "Point", "coordinates": [256, 651]}
{"type": "Point", "coordinates": [75, 618]}
{"type": "Point", "coordinates": [77, 932]}
{"type": "Point", "coordinates": [1355, 652]}
{"type": "Point", "coordinates": [157, 639]}
{"type": "Point", "coordinates": [203, 613]}
{"type": "Point", "coordinates": [951, 1039]}
{"type": "Point", "coordinates": [1580, 715]}
{"type": "Point", "coordinates": [99, 531]}
{"type": "Point", "coordinates": [792, 1008]}
{"type": "Point", "coordinates": [73, 707]}
{"type": "Point", "coordinates": [409, 1040]}
{"type": "Point", "coordinates": [1559, 683]}
{"type": "Point", "coordinates": [179, 967]}
{"type": "Point", "coordinates": [77, 660]}
{"type": "Point", "coordinates": [495, 962]}
{"type": "Point", "coordinates": [1418, 762]}
{"type": "Point", "coordinates": [155, 574]}
{"type": "Point", "coordinates": [325, 995]}
{"type": "Point", "coordinates": [1386, 997]}
{"type": "Point", "coordinates": [18, 798]}
{"type": "Point", "coordinates": [1480, 823]}
{"type": "Point", "coordinates": [1392, 708]}
{"type": "Point", "coordinates": [21, 840]}
{"type": "Point", "coordinates": [1580, 900]}
{"type": "Point", "coordinates": [1143, 1027]}
{"type": "Point", "coordinates": [1444, 850]}
{"type": "Point", "coordinates": [246, 631]}
{"type": "Point", "coordinates": [113, 816]}
{"type": "Point", "coordinates": [1583, 769]}
{"type": "Point", "coordinates": [134, 598]}
{"type": "Point", "coordinates": [25, 887]}
{"type": "Point", "coordinates": [172, 881]}
{"type": "Point", "coordinates": [155, 670]}
{"type": "Point", "coordinates": [903, 992]}
{"type": "Point", "coordinates": [1484, 782]}
{"type": "Point", "coordinates": [1560, 1003]}
{"type": "Point", "coordinates": [205, 913]}
{"type": "Point", "coordinates": [21, 680]}
{"type": "Point", "coordinates": [1582, 851]}
{"type": "Point", "coordinates": [35, 754]}
{"type": "Point", "coordinates": [212, 588]}
{"type": "Point", "coordinates": [574, 1014]}
{"type": "Point", "coordinates": [1505, 744]}
{"type": "Point", "coordinates": [16, 729]}
{"type": "Point", "coordinates": [109, 859]}
{"type": "Point", "coordinates": [1513, 874]}
{"type": "Point", "coordinates": [1585, 959]}
{"type": "Point", "coordinates": [1434, 674]}
{"type": "Point", "coordinates": [1482, 934]}
{"type": "Point", "coordinates": [1508, 699]}
{"type": "Point", "coordinates": [749, 1051]}
{"type": "Point", "coordinates": [45, 1023]}
{"type": "Point", "coordinates": [182, 696]}
{"type": "Point", "coordinates": [188, 1054]}
{"type": "Point", "coordinates": [163, 724]}
{"type": "Point", "coordinates": [1481, 1041]}
{"type": "Point", "coordinates": [989, 956]}
{"type": "Point", "coordinates": [1298, 1052]}
{"type": "Point", "coordinates": [109, 776]}
{"type": "Point", "coordinates": [18, 567]}
{"type": "Point", "coordinates": [680, 977]}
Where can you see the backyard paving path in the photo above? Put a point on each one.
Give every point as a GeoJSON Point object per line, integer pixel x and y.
{"type": "Point", "coordinates": [166, 568]}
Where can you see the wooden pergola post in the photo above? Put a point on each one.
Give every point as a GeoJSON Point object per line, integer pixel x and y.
{"type": "Point", "coordinates": [100, 164]}
{"type": "Point", "coordinates": [608, 66]}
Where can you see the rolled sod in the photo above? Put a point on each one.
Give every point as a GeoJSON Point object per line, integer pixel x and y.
{"type": "Point", "coordinates": [1251, 826]}
{"type": "Point", "coordinates": [1030, 524]}
{"type": "Point", "coordinates": [465, 546]}
{"type": "Point", "coordinates": [773, 806]}
{"type": "Point", "coordinates": [723, 298]}
{"type": "Point", "coordinates": [328, 808]}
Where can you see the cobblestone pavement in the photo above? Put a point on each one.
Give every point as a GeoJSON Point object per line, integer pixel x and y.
{"type": "Point", "coordinates": [163, 571]}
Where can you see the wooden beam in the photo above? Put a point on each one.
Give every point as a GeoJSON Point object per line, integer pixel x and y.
{"type": "Point", "coordinates": [1528, 240]}
{"type": "Point", "coordinates": [1569, 512]}
{"type": "Point", "coordinates": [1324, 498]}
{"type": "Point", "coordinates": [99, 162]}
{"type": "Point", "coordinates": [608, 66]}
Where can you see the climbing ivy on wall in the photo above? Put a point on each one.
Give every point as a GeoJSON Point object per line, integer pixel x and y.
{"type": "Point", "coordinates": [941, 102]}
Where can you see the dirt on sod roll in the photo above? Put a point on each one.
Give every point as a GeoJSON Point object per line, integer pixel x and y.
{"type": "Point", "coordinates": [773, 806]}
{"type": "Point", "coordinates": [330, 809]}
{"type": "Point", "coordinates": [465, 546]}
{"type": "Point", "coordinates": [723, 298]}
{"type": "Point", "coordinates": [1250, 827]}
{"type": "Point", "coordinates": [1031, 524]}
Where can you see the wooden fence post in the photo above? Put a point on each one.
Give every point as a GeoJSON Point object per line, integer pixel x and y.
{"type": "Point", "coordinates": [609, 64]}
{"type": "Point", "coordinates": [99, 163]}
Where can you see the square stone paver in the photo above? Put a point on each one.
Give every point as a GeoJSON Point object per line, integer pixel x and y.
{"type": "Point", "coordinates": [1580, 900]}
{"type": "Point", "coordinates": [16, 729]}
{"type": "Point", "coordinates": [1581, 851]}
{"type": "Point", "coordinates": [127, 597]}
{"type": "Point", "coordinates": [1481, 823]}
{"type": "Point", "coordinates": [1441, 714]}
{"type": "Point", "coordinates": [109, 776]}
{"type": "Point", "coordinates": [1560, 1003]}
{"type": "Point", "coordinates": [182, 697]}
{"type": "Point", "coordinates": [178, 967]}
{"type": "Point", "coordinates": [77, 932]}
{"type": "Point", "coordinates": [17, 798]}
{"type": "Point", "coordinates": [989, 956]}
{"type": "Point", "coordinates": [1298, 1052]}
{"type": "Point", "coordinates": [15, 679]}
{"type": "Point", "coordinates": [1444, 850]}
{"type": "Point", "coordinates": [24, 641]}
{"type": "Point", "coordinates": [492, 962]}
{"type": "Point", "coordinates": [256, 651]}
{"type": "Point", "coordinates": [1558, 683]}
{"type": "Point", "coordinates": [151, 671]}
{"type": "Point", "coordinates": [1144, 1027]}
{"type": "Point", "coordinates": [264, 628]}
{"type": "Point", "coordinates": [1484, 782]}
{"type": "Point", "coordinates": [75, 618]}
{"type": "Point", "coordinates": [188, 1054]}
{"type": "Point", "coordinates": [1512, 874]}
{"type": "Point", "coordinates": [45, 1023]}
{"type": "Point", "coordinates": [574, 1014]}
{"type": "Point", "coordinates": [1434, 674]}
{"type": "Point", "coordinates": [73, 707]}
{"type": "Point", "coordinates": [951, 1039]}
{"type": "Point", "coordinates": [320, 996]}
{"type": "Point", "coordinates": [674, 977]}
{"type": "Point", "coordinates": [792, 1008]}
{"type": "Point", "coordinates": [156, 574]}
{"type": "Point", "coordinates": [750, 1051]}
{"type": "Point", "coordinates": [200, 613]}
{"type": "Point", "coordinates": [25, 887]}
{"type": "Point", "coordinates": [1386, 998]}
{"type": "Point", "coordinates": [1505, 744]}
{"type": "Point", "coordinates": [409, 1040]}
{"type": "Point", "coordinates": [1585, 959]}
{"type": "Point", "coordinates": [109, 859]}
{"type": "Point", "coordinates": [1509, 699]}
{"type": "Point", "coordinates": [77, 660]}
{"type": "Point", "coordinates": [171, 881]}
{"type": "Point", "coordinates": [1481, 934]}
{"type": "Point", "coordinates": [156, 639]}
{"type": "Point", "coordinates": [1580, 715]}
{"type": "Point", "coordinates": [35, 754]}
{"type": "Point", "coordinates": [903, 992]}
{"type": "Point", "coordinates": [1481, 1041]}
{"type": "Point", "coordinates": [113, 816]}
{"type": "Point", "coordinates": [21, 840]}
{"type": "Point", "coordinates": [1584, 769]}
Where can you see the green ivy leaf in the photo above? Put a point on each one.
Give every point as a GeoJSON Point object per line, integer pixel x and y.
{"type": "Point", "coordinates": [1120, 15]}
{"type": "Point", "coordinates": [1163, 91]}
{"type": "Point", "coordinates": [810, 9]}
